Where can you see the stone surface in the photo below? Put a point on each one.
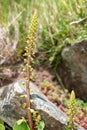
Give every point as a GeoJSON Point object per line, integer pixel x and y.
{"type": "Point", "coordinates": [73, 69]}
{"type": "Point", "coordinates": [11, 106]}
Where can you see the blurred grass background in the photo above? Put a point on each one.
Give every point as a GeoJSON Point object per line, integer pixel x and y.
{"type": "Point", "coordinates": [61, 22]}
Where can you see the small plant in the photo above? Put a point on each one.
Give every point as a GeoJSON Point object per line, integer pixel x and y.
{"type": "Point", "coordinates": [34, 121]}
{"type": "Point", "coordinates": [71, 112]}
{"type": "Point", "coordinates": [38, 123]}
{"type": "Point", "coordinates": [30, 45]}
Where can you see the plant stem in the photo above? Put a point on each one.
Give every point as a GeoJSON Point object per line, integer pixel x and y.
{"type": "Point", "coordinates": [29, 116]}
{"type": "Point", "coordinates": [59, 80]}
{"type": "Point", "coordinates": [30, 44]}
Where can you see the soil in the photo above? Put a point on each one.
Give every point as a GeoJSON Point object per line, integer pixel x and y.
{"type": "Point", "coordinates": [9, 74]}
{"type": "Point", "coordinates": [41, 74]}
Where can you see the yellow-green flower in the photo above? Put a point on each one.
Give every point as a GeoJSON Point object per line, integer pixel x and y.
{"type": "Point", "coordinates": [72, 110]}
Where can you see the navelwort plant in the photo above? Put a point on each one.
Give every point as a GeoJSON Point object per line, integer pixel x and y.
{"type": "Point", "coordinates": [30, 46]}
{"type": "Point", "coordinates": [29, 53]}
{"type": "Point", "coordinates": [33, 117]}
{"type": "Point", "coordinates": [71, 112]}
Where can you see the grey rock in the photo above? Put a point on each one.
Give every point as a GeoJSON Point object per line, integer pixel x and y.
{"type": "Point", "coordinates": [73, 70]}
{"type": "Point", "coordinates": [11, 106]}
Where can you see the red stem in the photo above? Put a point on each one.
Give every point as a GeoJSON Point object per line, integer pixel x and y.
{"type": "Point", "coordinates": [29, 116]}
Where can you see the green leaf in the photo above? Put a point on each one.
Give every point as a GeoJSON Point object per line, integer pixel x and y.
{"type": "Point", "coordinates": [2, 127]}
{"type": "Point", "coordinates": [41, 125]}
{"type": "Point", "coordinates": [19, 122]}
{"type": "Point", "coordinates": [67, 128]}
{"type": "Point", "coordinates": [24, 105]}
{"type": "Point", "coordinates": [21, 125]}
{"type": "Point", "coordinates": [1, 121]}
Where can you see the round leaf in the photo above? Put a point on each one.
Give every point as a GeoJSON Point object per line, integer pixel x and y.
{"type": "Point", "coordinates": [21, 125]}
{"type": "Point", "coordinates": [1, 121]}
{"type": "Point", "coordinates": [2, 127]}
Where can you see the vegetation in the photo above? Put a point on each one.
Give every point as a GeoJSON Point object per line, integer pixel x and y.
{"type": "Point", "coordinates": [22, 125]}
{"type": "Point", "coordinates": [74, 107]}
{"type": "Point", "coordinates": [30, 46]}
{"type": "Point", "coordinates": [29, 54]}
{"type": "Point", "coordinates": [32, 116]}
{"type": "Point", "coordinates": [71, 112]}
{"type": "Point", "coordinates": [60, 24]}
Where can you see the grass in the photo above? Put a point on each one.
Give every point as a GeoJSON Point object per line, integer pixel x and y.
{"type": "Point", "coordinates": [60, 23]}
{"type": "Point", "coordinates": [57, 30]}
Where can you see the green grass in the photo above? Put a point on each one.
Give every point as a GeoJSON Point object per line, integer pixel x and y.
{"type": "Point", "coordinates": [57, 30]}
{"type": "Point", "coordinates": [57, 26]}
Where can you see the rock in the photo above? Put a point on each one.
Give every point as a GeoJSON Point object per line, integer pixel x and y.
{"type": "Point", "coordinates": [11, 106]}
{"type": "Point", "coordinates": [73, 70]}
